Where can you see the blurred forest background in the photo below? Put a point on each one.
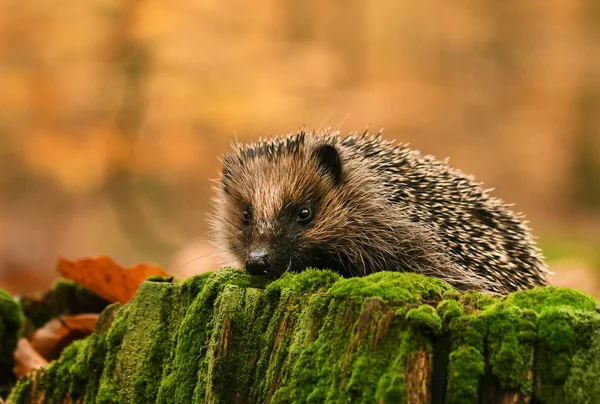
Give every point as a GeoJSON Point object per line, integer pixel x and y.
{"type": "Point", "coordinates": [113, 113]}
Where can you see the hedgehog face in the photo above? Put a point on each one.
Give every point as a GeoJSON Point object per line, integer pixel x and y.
{"type": "Point", "coordinates": [271, 207]}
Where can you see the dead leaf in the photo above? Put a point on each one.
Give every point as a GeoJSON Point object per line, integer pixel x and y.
{"type": "Point", "coordinates": [106, 279]}
{"type": "Point", "coordinates": [45, 339]}
{"type": "Point", "coordinates": [26, 359]}
{"type": "Point", "coordinates": [55, 335]}
{"type": "Point", "coordinates": [80, 322]}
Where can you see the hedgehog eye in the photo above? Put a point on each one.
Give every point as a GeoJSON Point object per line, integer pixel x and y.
{"type": "Point", "coordinates": [247, 216]}
{"type": "Point", "coordinates": [305, 213]}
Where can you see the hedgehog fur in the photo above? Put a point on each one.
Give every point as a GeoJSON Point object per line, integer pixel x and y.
{"type": "Point", "coordinates": [359, 204]}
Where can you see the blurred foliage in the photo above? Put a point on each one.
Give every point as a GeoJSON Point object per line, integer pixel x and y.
{"type": "Point", "coordinates": [114, 113]}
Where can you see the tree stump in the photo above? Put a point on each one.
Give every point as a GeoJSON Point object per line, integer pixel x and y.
{"type": "Point", "coordinates": [315, 337]}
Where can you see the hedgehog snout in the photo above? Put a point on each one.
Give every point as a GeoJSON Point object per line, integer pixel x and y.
{"type": "Point", "coordinates": [258, 263]}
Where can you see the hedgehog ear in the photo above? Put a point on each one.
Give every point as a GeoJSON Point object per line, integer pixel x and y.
{"type": "Point", "coordinates": [329, 162]}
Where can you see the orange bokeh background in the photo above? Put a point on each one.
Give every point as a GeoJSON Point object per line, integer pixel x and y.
{"type": "Point", "coordinates": [113, 114]}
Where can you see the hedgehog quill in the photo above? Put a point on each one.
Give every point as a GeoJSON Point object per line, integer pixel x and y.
{"type": "Point", "coordinates": [359, 204]}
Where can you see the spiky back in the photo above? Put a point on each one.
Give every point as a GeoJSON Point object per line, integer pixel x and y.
{"type": "Point", "coordinates": [479, 231]}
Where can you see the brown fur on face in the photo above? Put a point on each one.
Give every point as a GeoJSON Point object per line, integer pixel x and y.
{"type": "Point", "coordinates": [355, 229]}
{"type": "Point", "coordinates": [267, 186]}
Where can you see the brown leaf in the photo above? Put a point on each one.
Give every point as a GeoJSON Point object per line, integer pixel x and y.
{"type": "Point", "coordinates": [105, 278]}
{"type": "Point", "coordinates": [26, 359]}
{"type": "Point", "coordinates": [46, 339]}
{"type": "Point", "coordinates": [56, 334]}
{"type": "Point", "coordinates": [81, 322]}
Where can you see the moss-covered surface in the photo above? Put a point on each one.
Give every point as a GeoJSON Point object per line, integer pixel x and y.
{"type": "Point", "coordinates": [315, 337]}
{"type": "Point", "coordinates": [65, 297]}
{"type": "Point", "coordinates": [11, 321]}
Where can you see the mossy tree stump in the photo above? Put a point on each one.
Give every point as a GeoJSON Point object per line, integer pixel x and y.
{"type": "Point", "coordinates": [314, 337]}
{"type": "Point", "coordinates": [11, 321]}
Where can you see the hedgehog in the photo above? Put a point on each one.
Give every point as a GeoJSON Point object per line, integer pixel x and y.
{"type": "Point", "coordinates": [358, 204]}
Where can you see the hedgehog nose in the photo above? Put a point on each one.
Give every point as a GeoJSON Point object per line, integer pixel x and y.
{"type": "Point", "coordinates": [257, 263]}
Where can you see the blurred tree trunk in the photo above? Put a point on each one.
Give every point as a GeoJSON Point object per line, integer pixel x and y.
{"type": "Point", "coordinates": [586, 147]}
{"type": "Point", "coordinates": [130, 60]}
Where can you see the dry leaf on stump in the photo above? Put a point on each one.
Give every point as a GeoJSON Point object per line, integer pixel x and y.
{"type": "Point", "coordinates": [26, 359]}
{"type": "Point", "coordinates": [55, 335]}
{"type": "Point", "coordinates": [107, 279]}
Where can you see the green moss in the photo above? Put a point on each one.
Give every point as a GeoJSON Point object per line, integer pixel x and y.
{"type": "Point", "coordinates": [396, 287]}
{"type": "Point", "coordinates": [21, 393]}
{"type": "Point", "coordinates": [78, 371]}
{"type": "Point", "coordinates": [465, 369]}
{"type": "Point", "coordinates": [192, 286]}
{"type": "Point", "coordinates": [448, 310]}
{"type": "Point", "coordinates": [425, 318]}
{"type": "Point", "coordinates": [474, 301]}
{"type": "Point", "coordinates": [309, 322]}
{"type": "Point", "coordinates": [582, 384]}
{"type": "Point", "coordinates": [180, 379]}
{"type": "Point", "coordinates": [257, 329]}
{"type": "Point", "coordinates": [71, 298]}
{"type": "Point", "coordinates": [160, 278]}
{"type": "Point", "coordinates": [141, 350]}
{"type": "Point", "coordinates": [404, 358]}
{"type": "Point", "coordinates": [11, 321]}
{"type": "Point", "coordinates": [466, 363]}
{"type": "Point", "coordinates": [276, 325]}
{"type": "Point", "coordinates": [542, 298]}
{"type": "Point", "coordinates": [308, 281]}
{"type": "Point", "coordinates": [54, 382]}
{"type": "Point", "coordinates": [563, 333]}
{"type": "Point", "coordinates": [511, 338]}
{"type": "Point", "coordinates": [90, 366]}
{"type": "Point", "coordinates": [234, 347]}
{"type": "Point", "coordinates": [59, 373]}
{"type": "Point", "coordinates": [313, 376]}
{"type": "Point", "coordinates": [145, 385]}
{"type": "Point", "coordinates": [452, 294]}
{"type": "Point", "coordinates": [107, 388]}
{"type": "Point", "coordinates": [363, 364]}
{"type": "Point", "coordinates": [315, 337]}
{"type": "Point", "coordinates": [66, 297]}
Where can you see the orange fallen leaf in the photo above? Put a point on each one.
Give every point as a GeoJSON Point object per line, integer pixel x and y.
{"type": "Point", "coordinates": [84, 323]}
{"type": "Point", "coordinates": [57, 333]}
{"type": "Point", "coordinates": [45, 340]}
{"type": "Point", "coordinates": [26, 359]}
{"type": "Point", "coordinates": [107, 279]}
